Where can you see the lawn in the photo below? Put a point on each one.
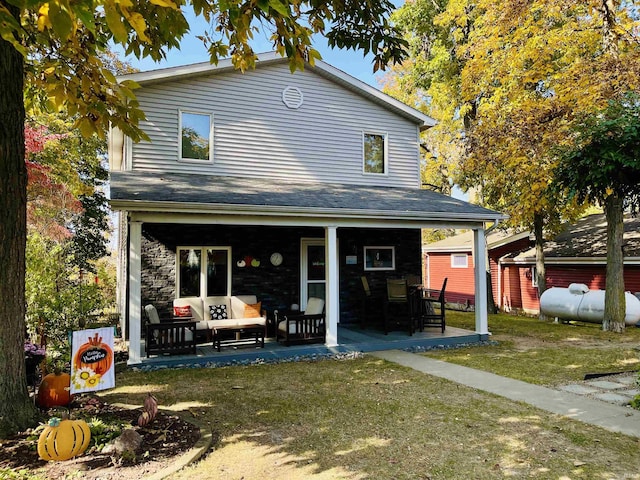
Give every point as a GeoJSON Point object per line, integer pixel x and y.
{"type": "Point", "coordinates": [365, 418]}
{"type": "Point", "coordinates": [545, 352]}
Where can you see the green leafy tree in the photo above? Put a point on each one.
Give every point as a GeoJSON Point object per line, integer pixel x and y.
{"type": "Point", "coordinates": [72, 170]}
{"type": "Point", "coordinates": [67, 219]}
{"type": "Point", "coordinates": [429, 79]}
{"type": "Point", "coordinates": [603, 167]}
{"type": "Point", "coordinates": [530, 68]}
{"type": "Point", "coordinates": [50, 56]}
{"type": "Point", "coordinates": [59, 297]}
{"type": "Point", "coordinates": [89, 242]}
{"type": "Point", "coordinates": [193, 145]}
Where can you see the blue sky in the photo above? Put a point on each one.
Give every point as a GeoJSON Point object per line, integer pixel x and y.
{"type": "Point", "coordinates": [192, 51]}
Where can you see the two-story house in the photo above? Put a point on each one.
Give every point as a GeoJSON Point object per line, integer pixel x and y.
{"type": "Point", "coordinates": [284, 186]}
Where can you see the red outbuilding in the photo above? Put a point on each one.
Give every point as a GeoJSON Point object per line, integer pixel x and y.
{"type": "Point", "coordinates": [577, 255]}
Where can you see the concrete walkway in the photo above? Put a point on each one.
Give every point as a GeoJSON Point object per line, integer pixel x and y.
{"type": "Point", "coordinates": [595, 412]}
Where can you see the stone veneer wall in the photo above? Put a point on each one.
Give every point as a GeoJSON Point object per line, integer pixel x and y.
{"type": "Point", "coordinates": [276, 287]}
{"type": "Point", "coordinates": [407, 245]}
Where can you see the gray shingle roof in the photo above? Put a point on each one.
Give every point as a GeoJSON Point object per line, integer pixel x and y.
{"type": "Point", "coordinates": [588, 238]}
{"type": "Point", "coordinates": [142, 190]}
{"type": "Point", "coordinates": [464, 241]}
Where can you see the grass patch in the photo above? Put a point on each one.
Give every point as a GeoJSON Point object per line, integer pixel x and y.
{"type": "Point", "coordinates": [367, 418]}
{"type": "Point", "coordinates": [545, 352]}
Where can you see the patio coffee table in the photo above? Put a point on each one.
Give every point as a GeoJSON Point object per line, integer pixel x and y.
{"type": "Point", "coordinates": [254, 332]}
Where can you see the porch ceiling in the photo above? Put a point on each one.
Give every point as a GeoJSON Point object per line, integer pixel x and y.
{"type": "Point", "coordinates": [151, 192]}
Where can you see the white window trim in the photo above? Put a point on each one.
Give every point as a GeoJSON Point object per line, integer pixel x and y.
{"type": "Point", "coordinates": [385, 135]}
{"type": "Point", "coordinates": [304, 272]}
{"type": "Point", "coordinates": [459, 255]}
{"type": "Point", "coordinates": [534, 277]}
{"type": "Point", "coordinates": [203, 268]}
{"type": "Point", "coordinates": [195, 160]}
{"type": "Point", "coordinates": [385, 247]}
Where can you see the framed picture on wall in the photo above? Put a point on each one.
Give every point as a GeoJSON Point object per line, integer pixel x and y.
{"type": "Point", "coordinates": [379, 258]}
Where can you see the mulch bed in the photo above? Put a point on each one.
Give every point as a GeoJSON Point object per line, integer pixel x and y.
{"type": "Point", "coordinates": [164, 440]}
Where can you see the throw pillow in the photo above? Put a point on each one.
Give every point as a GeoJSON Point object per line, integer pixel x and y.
{"type": "Point", "coordinates": [182, 311]}
{"type": "Point", "coordinates": [252, 310]}
{"type": "Point", "coordinates": [218, 312]}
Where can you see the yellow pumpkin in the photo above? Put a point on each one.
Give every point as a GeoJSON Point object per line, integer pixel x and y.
{"type": "Point", "coordinates": [63, 439]}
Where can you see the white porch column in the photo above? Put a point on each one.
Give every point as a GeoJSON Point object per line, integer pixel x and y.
{"type": "Point", "coordinates": [479, 245]}
{"type": "Point", "coordinates": [332, 308]}
{"type": "Point", "coordinates": [135, 307]}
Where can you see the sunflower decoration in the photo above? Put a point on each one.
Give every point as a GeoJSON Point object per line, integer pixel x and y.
{"type": "Point", "coordinates": [85, 377]}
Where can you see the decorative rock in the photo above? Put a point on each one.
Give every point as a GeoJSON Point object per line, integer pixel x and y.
{"type": "Point", "coordinates": [128, 441]}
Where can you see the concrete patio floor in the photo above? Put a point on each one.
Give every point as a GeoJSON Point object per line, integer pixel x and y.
{"type": "Point", "coordinates": [350, 339]}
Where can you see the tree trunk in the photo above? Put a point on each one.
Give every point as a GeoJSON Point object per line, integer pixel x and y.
{"type": "Point", "coordinates": [541, 269]}
{"type": "Point", "coordinates": [614, 302]}
{"type": "Point", "coordinates": [16, 409]}
{"type": "Point", "coordinates": [608, 9]}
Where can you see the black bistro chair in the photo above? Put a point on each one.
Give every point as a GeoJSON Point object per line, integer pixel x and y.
{"type": "Point", "coordinates": [432, 311]}
{"type": "Point", "coordinates": [399, 307]}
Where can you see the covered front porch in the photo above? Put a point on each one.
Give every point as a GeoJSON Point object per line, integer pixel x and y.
{"type": "Point", "coordinates": [167, 217]}
{"type": "Point", "coordinates": [351, 339]}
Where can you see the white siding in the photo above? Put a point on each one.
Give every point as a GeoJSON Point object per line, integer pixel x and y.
{"type": "Point", "coordinates": [255, 134]}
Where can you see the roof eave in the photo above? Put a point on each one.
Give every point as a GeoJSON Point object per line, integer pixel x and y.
{"type": "Point", "coordinates": [292, 211]}
{"type": "Point", "coordinates": [567, 260]}
{"type": "Point", "coordinates": [507, 240]}
{"type": "Point", "coordinates": [191, 70]}
{"type": "Point", "coordinates": [455, 249]}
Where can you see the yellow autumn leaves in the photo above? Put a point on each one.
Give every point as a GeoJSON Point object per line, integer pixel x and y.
{"type": "Point", "coordinates": [63, 19]}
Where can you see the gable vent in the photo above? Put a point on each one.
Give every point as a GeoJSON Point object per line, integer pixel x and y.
{"type": "Point", "coordinates": [292, 97]}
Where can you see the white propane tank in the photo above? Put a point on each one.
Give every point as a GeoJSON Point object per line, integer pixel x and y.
{"type": "Point", "coordinates": [579, 303]}
{"type": "Point", "coordinates": [560, 302]}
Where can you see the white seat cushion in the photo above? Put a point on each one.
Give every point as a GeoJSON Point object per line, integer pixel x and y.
{"type": "Point", "coordinates": [315, 306]}
{"type": "Point", "coordinates": [239, 302]}
{"type": "Point", "coordinates": [152, 314]}
{"type": "Point", "coordinates": [237, 322]}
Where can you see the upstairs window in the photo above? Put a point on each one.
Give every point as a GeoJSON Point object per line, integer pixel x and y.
{"type": "Point", "coordinates": [196, 136]}
{"type": "Point", "coordinates": [375, 153]}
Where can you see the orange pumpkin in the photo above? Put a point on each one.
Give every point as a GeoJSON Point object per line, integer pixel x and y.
{"type": "Point", "coordinates": [95, 355]}
{"type": "Point", "coordinates": [54, 390]}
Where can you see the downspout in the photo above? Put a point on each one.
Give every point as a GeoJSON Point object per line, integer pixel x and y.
{"type": "Point", "coordinates": [501, 297]}
{"type": "Point", "coordinates": [428, 271]}
{"type": "Point", "coordinates": [488, 263]}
